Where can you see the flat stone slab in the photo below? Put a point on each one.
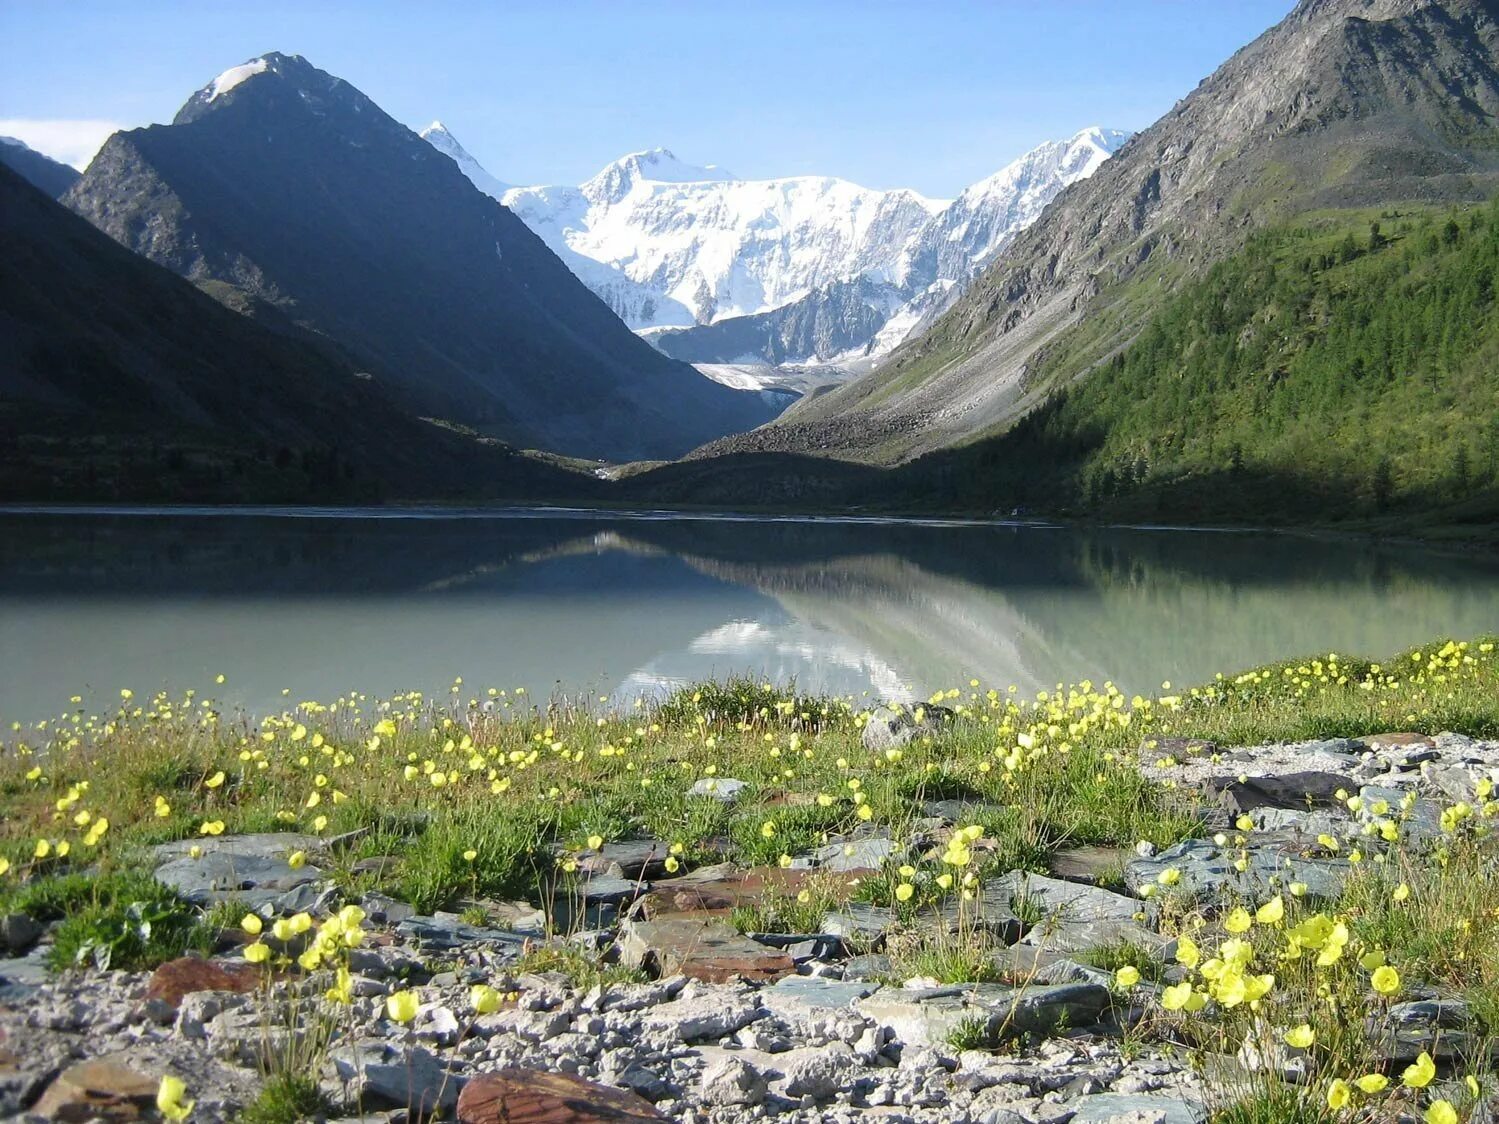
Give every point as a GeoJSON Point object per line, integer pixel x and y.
{"type": "Point", "coordinates": [1071, 937]}
{"type": "Point", "coordinates": [1106, 1108]}
{"type": "Point", "coordinates": [1207, 870]}
{"type": "Point", "coordinates": [700, 948]}
{"type": "Point", "coordinates": [106, 1088]}
{"type": "Point", "coordinates": [249, 869]}
{"type": "Point", "coordinates": [1068, 902]}
{"type": "Point", "coordinates": [797, 995]}
{"type": "Point", "coordinates": [720, 889]}
{"type": "Point", "coordinates": [444, 933]}
{"type": "Point", "coordinates": [1296, 791]}
{"type": "Point", "coordinates": [928, 1017]}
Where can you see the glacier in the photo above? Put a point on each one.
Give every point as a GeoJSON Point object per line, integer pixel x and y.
{"type": "Point", "coordinates": [813, 271]}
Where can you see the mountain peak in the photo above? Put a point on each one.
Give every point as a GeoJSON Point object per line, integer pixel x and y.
{"type": "Point", "coordinates": [440, 137]}
{"type": "Point", "coordinates": [654, 165]}
{"type": "Point", "coordinates": [293, 71]}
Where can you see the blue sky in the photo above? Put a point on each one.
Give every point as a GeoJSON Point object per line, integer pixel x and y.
{"type": "Point", "coordinates": [932, 95]}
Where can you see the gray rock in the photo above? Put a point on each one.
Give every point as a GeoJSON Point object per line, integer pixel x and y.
{"type": "Point", "coordinates": [1064, 902]}
{"type": "Point", "coordinates": [732, 1081]}
{"type": "Point", "coordinates": [444, 933]}
{"type": "Point", "coordinates": [797, 995]}
{"type": "Point", "coordinates": [1121, 1108]}
{"type": "Point", "coordinates": [726, 790]}
{"type": "Point", "coordinates": [857, 920]}
{"type": "Point", "coordinates": [704, 1016]}
{"type": "Point", "coordinates": [380, 1074]}
{"type": "Point", "coordinates": [1444, 1028]}
{"type": "Point", "coordinates": [18, 933]}
{"type": "Point", "coordinates": [890, 727]}
{"type": "Point", "coordinates": [869, 853]}
{"type": "Point", "coordinates": [819, 1073]}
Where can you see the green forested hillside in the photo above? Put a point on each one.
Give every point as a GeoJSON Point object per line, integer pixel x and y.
{"type": "Point", "coordinates": [1346, 367]}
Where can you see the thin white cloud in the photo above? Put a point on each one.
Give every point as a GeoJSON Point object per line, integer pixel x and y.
{"type": "Point", "coordinates": [71, 140]}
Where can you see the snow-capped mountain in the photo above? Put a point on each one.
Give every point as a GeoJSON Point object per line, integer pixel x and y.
{"type": "Point", "coordinates": [801, 270]}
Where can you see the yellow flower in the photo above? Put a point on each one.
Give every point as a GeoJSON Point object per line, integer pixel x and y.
{"type": "Point", "coordinates": [595, 842]}
{"type": "Point", "coordinates": [41, 850]}
{"type": "Point", "coordinates": [1371, 1083]}
{"type": "Point", "coordinates": [342, 990]}
{"type": "Point", "coordinates": [257, 953]}
{"type": "Point", "coordinates": [296, 860]}
{"type": "Point", "coordinates": [1401, 892]}
{"type": "Point", "coordinates": [1187, 952]}
{"type": "Point", "coordinates": [1441, 1112]}
{"type": "Point", "coordinates": [904, 891]}
{"type": "Point", "coordinates": [215, 780]}
{"type": "Point", "coordinates": [4, 864]}
{"type": "Point", "coordinates": [401, 1006]}
{"type": "Point", "coordinates": [671, 864]}
{"type": "Point", "coordinates": [485, 999]}
{"type": "Point", "coordinates": [1339, 1093]}
{"type": "Point", "coordinates": [1169, 877]}
{"type": "Point", "coordinates": [1386, 980]}
{"type": "Point", "coordinates": [1420, 1074]}
{"type": "Point", "coordinates": [784, 862]}
{"type": "Point", "coordinates": [1272, 912]}
{"type": "Point", "coordinates": [1238, 921]}
{"type": "Point", "coordinates": [1127, 976]}
{"type": "Point", "coordinates": [1300, 1037]}
{"type": "Point", "coordinates": [1244, 823]}
{"type": "Point", "coordinates": [169, 1098]}
{"type": "Point", "coordinates": [211, 827]}
{"type": "Point", "coordinates": [282, 930]}
{"type": "Point", "coordinates": [470, 855]}
{"type": "Point", "coordinates": [251, 924]}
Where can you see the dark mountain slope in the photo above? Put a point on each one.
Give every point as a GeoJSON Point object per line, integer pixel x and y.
{"type": "Point", "coordinates": [119, 380]}
{"type": "Point", "coordinates": [51, 176]}
{"type": "Point", "coordinates": [290, 184]}
{"type": "Point", "coordinates": [1345, 103]}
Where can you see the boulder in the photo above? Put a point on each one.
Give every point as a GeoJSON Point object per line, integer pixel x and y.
{"type": "Point", "coordinates": [818, 1072]}
{"type": "Point", "coordinates": [18, 933]}
{"type": "Point", "coordinates": [731, 1081]}
{"type": "Point", "coordinates": [869, 853]}
{"type": "Point", "coordinates": [893, 725]}
{"type": "Point", "coordinates": [532, 1096]}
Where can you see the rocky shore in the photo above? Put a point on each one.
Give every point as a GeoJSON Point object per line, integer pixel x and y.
{"type": "Point", "coordinates": [720, 1025]}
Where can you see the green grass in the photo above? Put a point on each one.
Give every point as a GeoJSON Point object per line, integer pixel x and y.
{"type": "Point", "coordinates": [285, 1098]}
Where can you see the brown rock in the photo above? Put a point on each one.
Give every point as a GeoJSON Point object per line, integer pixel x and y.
{"type": "Point", "coordinates": [529, 1096]}
{"type": "Point", "coordinates": [701, 948]}
{"type": "Point", "coordinates": [188, 974]}
{"type": "Point", "coordinates": [102, 1089]}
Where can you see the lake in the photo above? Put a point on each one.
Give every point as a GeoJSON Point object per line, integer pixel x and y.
{"type": "Point", "coordinates": [320, 603]}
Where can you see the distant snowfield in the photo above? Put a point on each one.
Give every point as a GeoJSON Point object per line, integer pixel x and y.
{"type": "Point", "coordinates": [667, 244]}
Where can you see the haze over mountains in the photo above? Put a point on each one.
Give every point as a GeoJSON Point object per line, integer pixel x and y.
{"type": "Point", "coordinates": [801, 270]}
